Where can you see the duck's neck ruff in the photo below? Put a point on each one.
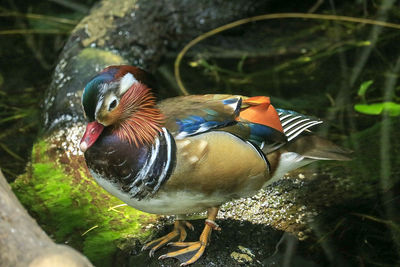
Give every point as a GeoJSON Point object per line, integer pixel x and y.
{"type": "Point", "coordinates": [140, 121]}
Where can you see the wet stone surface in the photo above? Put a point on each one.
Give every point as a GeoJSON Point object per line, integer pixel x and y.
{"type": "Point", "coordinates": [238, 243]}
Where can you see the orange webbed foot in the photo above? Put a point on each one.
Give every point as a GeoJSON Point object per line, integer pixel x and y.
{"type": "Point", "coordinates": [190, 252]}
{"type": "Point", "coordinates": [179, 230]}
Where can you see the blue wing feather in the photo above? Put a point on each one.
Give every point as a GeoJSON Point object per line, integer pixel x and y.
{"type": "Point", "coordinates": [260, 135]}
{"type": "Point", "coordinates": [263, 135]}
{"type": "Point", "coordinates": [195, 124]}
{"type": "Point", "coordinates": [199, 114]}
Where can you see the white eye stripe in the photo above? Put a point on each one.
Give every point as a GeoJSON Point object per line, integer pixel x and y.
{"type": "Point", "coordinates": [126, 82]}
{"type": "Point", "coordinates": [98, 106]}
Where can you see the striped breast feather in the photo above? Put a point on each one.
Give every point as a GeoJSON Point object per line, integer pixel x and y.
{"type": "Point", "coordinates": [294, 123]}
{"type": "Point", "coordinates": [156, 169]}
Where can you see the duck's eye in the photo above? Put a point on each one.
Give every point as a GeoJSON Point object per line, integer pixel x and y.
{"type": "Point", "coordinates": [112, 105]}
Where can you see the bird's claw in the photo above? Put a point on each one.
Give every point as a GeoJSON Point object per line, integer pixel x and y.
{"type": "Point", "coordinates": [151, 253]}
{"type": "Point", "coordinates": [189, 225]}
{"type": "Point", "coordinates": [164, 256]}
{"type": "Point", "coordinates": [193, 250]}
{"type": "Point", "coordinates": [179, 230]}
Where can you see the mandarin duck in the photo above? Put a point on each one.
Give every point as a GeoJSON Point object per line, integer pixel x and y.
{"type": "Point", "coordinates": [189, 154]}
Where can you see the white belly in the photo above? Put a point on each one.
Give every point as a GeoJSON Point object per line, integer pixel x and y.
{"type": "Point", "coordinates": [164, 203]}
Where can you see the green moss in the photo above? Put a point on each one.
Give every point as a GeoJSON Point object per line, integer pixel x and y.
{"type": "Point", "coordinates": [73, 209]}
{"type": "Point", "coordinates": [93, 55]}
{"type": "Point", "coordinates": [102, 20]}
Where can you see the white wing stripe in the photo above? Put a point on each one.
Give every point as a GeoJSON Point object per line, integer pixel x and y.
{"type": "Point", "coordinates": [284, 117]}
{"type": "Point", "coordinates": [294, 133]}
{"type": "Point", "coordinates": [289, 120]}
{"type": "Point", "coordinates": [294, 124]}
{"type": "Point", "coordinates": [301, 127]}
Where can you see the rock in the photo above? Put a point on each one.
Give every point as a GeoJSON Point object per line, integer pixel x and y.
{"type": "Point", "coordinates": [23, 242]}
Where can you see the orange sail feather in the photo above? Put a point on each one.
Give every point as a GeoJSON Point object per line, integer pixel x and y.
{"type": "Point", "coordinates": [259, 110]}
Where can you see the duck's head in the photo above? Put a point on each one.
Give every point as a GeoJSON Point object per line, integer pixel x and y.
{"type": "Point", "coordinates": [119, 97]}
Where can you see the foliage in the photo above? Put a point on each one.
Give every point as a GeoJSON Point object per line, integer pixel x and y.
{"type": "Point", "coordinates": [32, 34]}
{"type": "Point", "coordinates": [391, 108]}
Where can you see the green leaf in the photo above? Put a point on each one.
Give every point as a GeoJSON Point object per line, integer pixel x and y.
{"type": "Point", "coordinates": [363, 88]}
{"type": "Point", "coordinates": [393, 109]}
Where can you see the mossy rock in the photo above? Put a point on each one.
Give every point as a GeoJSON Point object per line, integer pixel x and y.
{"type": "Point", "coordinates": [59, 192]}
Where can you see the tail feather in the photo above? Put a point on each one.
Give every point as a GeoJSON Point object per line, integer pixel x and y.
{"type": "Point", "coordinates": [303, 151]}
{"type": "Point", "coordinates": [318, 148]}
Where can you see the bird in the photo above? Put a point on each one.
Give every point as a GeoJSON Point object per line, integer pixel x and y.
{"type": "Point", "coordinates": [189, 154]}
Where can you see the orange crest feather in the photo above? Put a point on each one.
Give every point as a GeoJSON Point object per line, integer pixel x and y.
{"type": "Point", "coordinates": [140, 121]}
